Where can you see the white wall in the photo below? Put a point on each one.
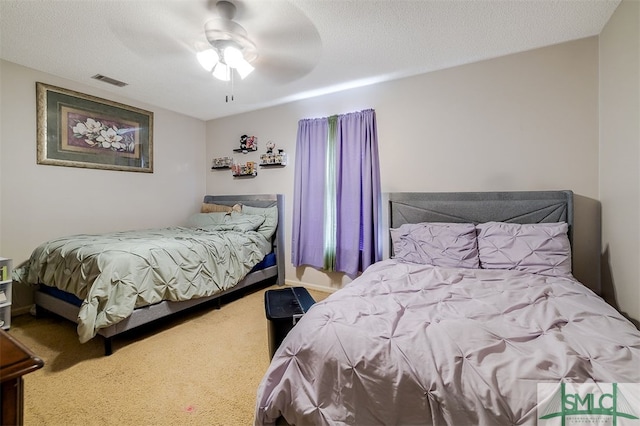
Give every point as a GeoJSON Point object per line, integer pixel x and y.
{"type": "Point", "coordinates": [620, 156]}
{"type": "Point", "coordinates": [40, 202]}
{"type": "Point", "coordinates": [522, 122]}
{"type": "Point", "coordinates": [527, 121]}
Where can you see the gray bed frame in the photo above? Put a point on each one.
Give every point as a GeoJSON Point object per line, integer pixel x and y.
{"type": "Point", "coordinates": [480, 207]}
{"type": "Point", "coordinates": [147, 314]}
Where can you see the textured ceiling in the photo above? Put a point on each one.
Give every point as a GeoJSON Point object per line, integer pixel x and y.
{"type": "Point", "coordinates": [324, 45]}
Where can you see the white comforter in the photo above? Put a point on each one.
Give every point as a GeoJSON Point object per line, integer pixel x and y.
{"type": "Point", "coordinates": [415, 344]}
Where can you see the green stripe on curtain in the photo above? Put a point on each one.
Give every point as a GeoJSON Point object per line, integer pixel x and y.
{"type": "Point", "coordinates": [330, 209]}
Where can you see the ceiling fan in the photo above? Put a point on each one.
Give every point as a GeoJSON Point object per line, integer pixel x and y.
{"type": "Point", "coordinates": [278, 53]}
{"type": "Point", "coordinates": [230, 47]}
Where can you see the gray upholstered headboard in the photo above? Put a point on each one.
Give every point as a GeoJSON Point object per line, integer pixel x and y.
{"type": "Point", "coordinates": [479, 207]}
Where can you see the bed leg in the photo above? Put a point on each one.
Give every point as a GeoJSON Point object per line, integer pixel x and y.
{"type": "Point", "coordinates": [218, 303]}
{"type": "Point", "coordinates": [108, 348]}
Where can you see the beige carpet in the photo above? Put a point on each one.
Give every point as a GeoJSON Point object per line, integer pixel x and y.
{"type": "Point", "coordinates": [202, 367]}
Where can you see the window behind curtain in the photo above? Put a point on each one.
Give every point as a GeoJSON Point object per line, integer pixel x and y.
{"type": "Point", "coordinates": [337, 208]}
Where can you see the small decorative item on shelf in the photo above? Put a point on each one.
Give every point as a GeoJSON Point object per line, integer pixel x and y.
{"type": "Point", "coordinates": [222, 163]}
{"type": "Point", "coordinates": [246, 169]}
{"type": "Point", "coordinates": [274, 159]}
{"type": "Point", "coordinates": [247, 143]}
{"type": "Point", "coordinates": [270, 146]}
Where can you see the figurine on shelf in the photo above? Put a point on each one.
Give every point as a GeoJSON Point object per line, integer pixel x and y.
{"type": "Point", "coordinates": [270, 146]}
{"type": "Point", "coordinates": [244, 169]}
{"type": "Point", "coordinates": [248, 143]}
{"type": "Point", "coordinates": [252, 143]}
{"type": "Point", "coordinates": [281, 157]}
{"type": "Point", "coordinates": [222, 162]}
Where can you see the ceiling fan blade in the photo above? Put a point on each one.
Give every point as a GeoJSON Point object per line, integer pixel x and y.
{"type": "Point", "coordinates": [287, 52]}
{"type": "Point", "coordinates": [282, 62]}
{"type": "Point", "coordinates": [181, 23]}
{"type": "Point", "coordinates": [288, 44]}
{"type": "Point", "coordinates": [281, 70]}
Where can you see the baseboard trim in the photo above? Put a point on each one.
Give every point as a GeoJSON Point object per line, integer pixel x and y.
{"type": "Point", "coordinates": [316, 287]}
{"type": "Point", "coordinates": [20, 311]}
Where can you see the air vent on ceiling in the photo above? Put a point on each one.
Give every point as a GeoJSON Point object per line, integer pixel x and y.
{"type": "Point", "coordinates": [109, 80]}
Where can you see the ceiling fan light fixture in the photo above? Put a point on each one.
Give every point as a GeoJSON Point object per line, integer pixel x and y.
{"type": "Point", "coordinates": [233, 58]}
{"type": "Point", "coordinates": [208, 59]}
{"type": "Point", "coordinates": [244, 68]}
{"type": "Point", "coordinates": [221, 72]}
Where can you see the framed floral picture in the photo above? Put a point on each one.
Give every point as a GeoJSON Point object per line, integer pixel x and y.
{"type": "Point", "coordinates": [78, 130]}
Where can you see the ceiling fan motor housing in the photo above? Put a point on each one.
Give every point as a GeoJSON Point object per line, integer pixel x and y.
{"type": "Point", "coordinates": [222, 32]}
{"type": "Point", "coordinates": [226, 9]}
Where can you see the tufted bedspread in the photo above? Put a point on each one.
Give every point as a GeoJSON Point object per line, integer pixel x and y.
{"type": "Point", "coordinates": [409, 344]}
{"type": "Point", "coordinates": [117, 272]}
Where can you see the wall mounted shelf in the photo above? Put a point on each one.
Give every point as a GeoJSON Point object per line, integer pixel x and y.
{"type": "Point", "coordinates": [245, 151]}
{"type": "Point", "coordinates": [245, 175]}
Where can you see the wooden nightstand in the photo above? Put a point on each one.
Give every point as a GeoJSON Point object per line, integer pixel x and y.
{"type": "Point", "coordinates": [16, 360]}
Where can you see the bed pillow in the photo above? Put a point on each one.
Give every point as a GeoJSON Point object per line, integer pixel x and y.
{"type": "Point", "coordinates": [215, 208]}
{"type": "Point", "coordinates": [205, 219]}
{"type": "Point", "coordinates": [270, 214]}
{"type": "Point", "coordinates": [540, 248]}
{"type": "Point", "coordinates": [450, 245]}
{"type": "Point", "coordinates": [219, 221]}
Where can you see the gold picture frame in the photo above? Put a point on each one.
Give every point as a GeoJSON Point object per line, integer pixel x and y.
{"type": "Point", "coordinates": [79, 130]}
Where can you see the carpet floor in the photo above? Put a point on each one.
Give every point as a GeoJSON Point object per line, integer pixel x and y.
{"type": "Point", "coordinates": [200, 367]}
